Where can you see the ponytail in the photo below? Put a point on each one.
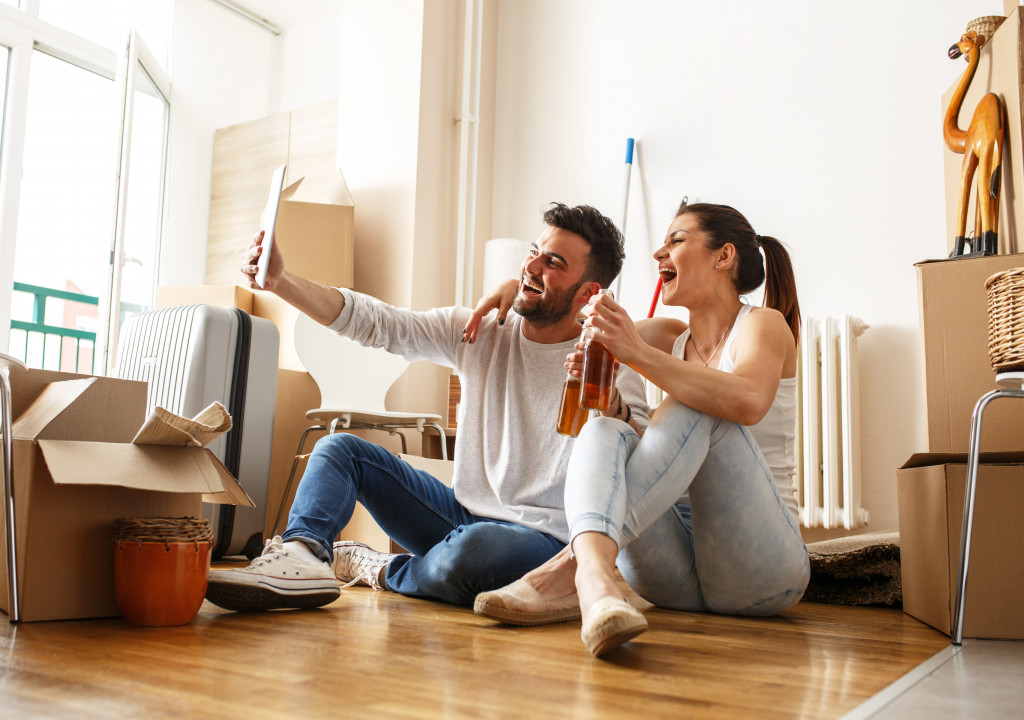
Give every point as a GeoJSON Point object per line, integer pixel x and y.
{"type": "Point", "coordinates": [780, 283]}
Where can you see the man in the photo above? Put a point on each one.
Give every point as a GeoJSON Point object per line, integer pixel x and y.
{"type": "Point", "coordinates": [504, 513]}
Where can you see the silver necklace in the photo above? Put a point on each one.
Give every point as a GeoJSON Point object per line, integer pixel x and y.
{"type": "Point", "coordinates": [719, 345]}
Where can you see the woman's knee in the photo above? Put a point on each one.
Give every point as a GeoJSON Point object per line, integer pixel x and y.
{"type": "Point", "coordinates": [604, 430]}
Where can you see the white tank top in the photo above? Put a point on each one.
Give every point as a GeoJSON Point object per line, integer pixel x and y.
{"type": "Point", "coordinates": [775, 434]}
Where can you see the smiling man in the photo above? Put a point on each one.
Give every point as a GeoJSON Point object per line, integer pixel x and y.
{"type": "Point", "coordinates": [504, 513]}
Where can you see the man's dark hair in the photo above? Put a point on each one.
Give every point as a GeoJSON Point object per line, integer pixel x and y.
{"type": "Point", "coordinates": [606, 251]}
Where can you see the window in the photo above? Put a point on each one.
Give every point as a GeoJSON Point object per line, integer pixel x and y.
{"type": "Point", "coordinates": [82, 164]}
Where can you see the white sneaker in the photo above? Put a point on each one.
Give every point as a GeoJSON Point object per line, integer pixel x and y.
{"type": "Point", "coordinates": [358, 564]}
{"type": "Point", "coordinates": [279, 578]}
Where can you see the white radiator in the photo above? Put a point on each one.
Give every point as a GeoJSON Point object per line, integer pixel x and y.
{"type": "Point", "coordinates": [828, 424]}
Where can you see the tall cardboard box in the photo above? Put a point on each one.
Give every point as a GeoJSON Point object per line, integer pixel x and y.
{"type": "Point", "coordinates": [1000, 71]}
{"type": "Point", "coordinates": [953, 306]}
{"type": "Point", "coordinates": [931, 498]}
{"type": "Point", "coordinates": [76, 470]}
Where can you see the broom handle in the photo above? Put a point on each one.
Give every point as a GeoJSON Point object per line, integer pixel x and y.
{"type": "Point", "coordinates": [625, 203]}
{"type": "Point", "coordinates": [654, 300]}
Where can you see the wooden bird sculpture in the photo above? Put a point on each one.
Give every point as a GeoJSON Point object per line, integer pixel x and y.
{"type": "Point", "coordinates": [982, 148]}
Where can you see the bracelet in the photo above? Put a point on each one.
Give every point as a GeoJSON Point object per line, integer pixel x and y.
{"type": "Point", "coordinates": [629, 414]}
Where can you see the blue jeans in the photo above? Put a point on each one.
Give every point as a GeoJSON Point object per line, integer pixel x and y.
{"type": "Point", "coordinates": [454, 554]}
{"type": "Point", "coordinates": [731, 547]}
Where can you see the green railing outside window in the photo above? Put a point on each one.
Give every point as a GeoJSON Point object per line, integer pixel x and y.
{"type": "Point", "coordinates": [55, 347]}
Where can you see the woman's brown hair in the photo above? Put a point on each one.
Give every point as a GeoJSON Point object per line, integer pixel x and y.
{"type": "Point", "coordinates": [723, 224]}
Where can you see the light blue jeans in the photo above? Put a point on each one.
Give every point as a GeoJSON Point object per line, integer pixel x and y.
{"type": "Point", "coordinates": [454, 553]}
{"type": "Point", "coordinates": [731, 548]}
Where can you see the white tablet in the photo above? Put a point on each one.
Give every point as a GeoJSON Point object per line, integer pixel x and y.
{"type": "Point", "coordinates": [269, 220]}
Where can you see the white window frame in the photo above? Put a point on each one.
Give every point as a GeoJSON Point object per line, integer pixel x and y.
{"type": "Point", "coordinates": [23, 33]}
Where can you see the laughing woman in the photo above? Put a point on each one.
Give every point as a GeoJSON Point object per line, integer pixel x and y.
{"type": "Point", "coordinates": [700, 513]}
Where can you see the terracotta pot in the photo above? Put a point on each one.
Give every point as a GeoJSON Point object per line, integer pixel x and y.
{"type": "Point", "coordinates": [160, 584]}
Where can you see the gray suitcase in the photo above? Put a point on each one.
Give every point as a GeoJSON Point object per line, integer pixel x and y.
{"type": "Point", "coordinates": [197, 354]}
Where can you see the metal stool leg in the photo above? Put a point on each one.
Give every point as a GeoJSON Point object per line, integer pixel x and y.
{"type": "Point", "coordinates": [13, 606]}
{"type": "Point", "coordinates": [973, 453]}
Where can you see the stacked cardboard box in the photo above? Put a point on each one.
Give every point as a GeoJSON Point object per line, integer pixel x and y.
{"type": "Point", "coordinates": [953, 306]}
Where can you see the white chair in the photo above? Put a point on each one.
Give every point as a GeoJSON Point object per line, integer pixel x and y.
{"type": "Point", "coordinates": [353, 381]}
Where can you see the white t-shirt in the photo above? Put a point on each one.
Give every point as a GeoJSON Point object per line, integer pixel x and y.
{"type": "Point", "coordinates": [511, 388]}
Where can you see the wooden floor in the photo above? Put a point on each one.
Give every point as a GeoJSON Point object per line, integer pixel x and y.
{"type": "Point", "coordinates": [381, 655]}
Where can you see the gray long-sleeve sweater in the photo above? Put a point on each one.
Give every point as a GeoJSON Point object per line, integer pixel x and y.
{"type": "Point", "coordinates": [509, 461]}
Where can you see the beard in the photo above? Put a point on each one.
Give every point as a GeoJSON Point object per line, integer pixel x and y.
{"type": "Point", "coordinates": [548, 311]}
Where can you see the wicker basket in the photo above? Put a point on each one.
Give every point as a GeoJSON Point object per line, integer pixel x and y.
{"type": "Point", "coordinates": [1006, 320]}
{"type": "Point", "coordinates": [985, 26]}
{"type": "Point", "coordinates": [164, 530]}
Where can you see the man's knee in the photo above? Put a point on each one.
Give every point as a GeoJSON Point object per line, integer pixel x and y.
{"type": "Point", "coordinates": [339, 442]}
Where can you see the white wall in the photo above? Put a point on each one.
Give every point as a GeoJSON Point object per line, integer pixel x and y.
{"type": "Point", "coordinates": [819, 121]}
{"type": "Point", "coordinates": [219, 77]}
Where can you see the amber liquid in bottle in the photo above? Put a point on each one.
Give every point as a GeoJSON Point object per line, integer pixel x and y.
{"type": "Point", "coordinates": [598, 372]}
{"type": "Point", "coordinates": [598, 376]}
{"type": "Point", "coordinates": [571, 416]}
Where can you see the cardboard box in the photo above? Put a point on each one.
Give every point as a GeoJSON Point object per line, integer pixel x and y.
{"type": "Point", "coordinates": [76, 470]}
{"type": "Point", "coordinates": [1000, 69]}
{"type": "Point", "coordinates": [232, 296]}
{"type": "Point", "coordinates": [315, 219]}
{"type": "Point", "coordinates": [953, 305]}
{"type": "Point", "coordinates": [931, 500]}
{"type": "Point", "coordinates": [316, 237]}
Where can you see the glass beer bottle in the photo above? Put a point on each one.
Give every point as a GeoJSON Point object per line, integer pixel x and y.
{"type": "Point", "coordinates": [571, 416]}
{"type": "Point", "coordinates": [598, 371]}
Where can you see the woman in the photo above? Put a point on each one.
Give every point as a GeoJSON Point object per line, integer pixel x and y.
{"type": "Point", "coordinates": [700, 514]}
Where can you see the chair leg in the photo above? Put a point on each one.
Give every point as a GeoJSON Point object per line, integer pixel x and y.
{"type": "Point", "coordinates": [291, 475]}
{"type": "Point", "coordinates": [444, 440]}
{"type": "Point", "coordinates": [973, 453]}
{"type": "Point", "coordinates": [13, 606]}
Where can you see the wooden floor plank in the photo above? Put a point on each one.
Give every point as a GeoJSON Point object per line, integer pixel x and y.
{"type": "Point", "coordinates": [377, 654]}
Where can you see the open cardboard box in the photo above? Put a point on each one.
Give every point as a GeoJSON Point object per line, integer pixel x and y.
{"type": "Point", "coordinates": [76, 470]}
{"type": "Point", "coordinates": [931, 490]}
